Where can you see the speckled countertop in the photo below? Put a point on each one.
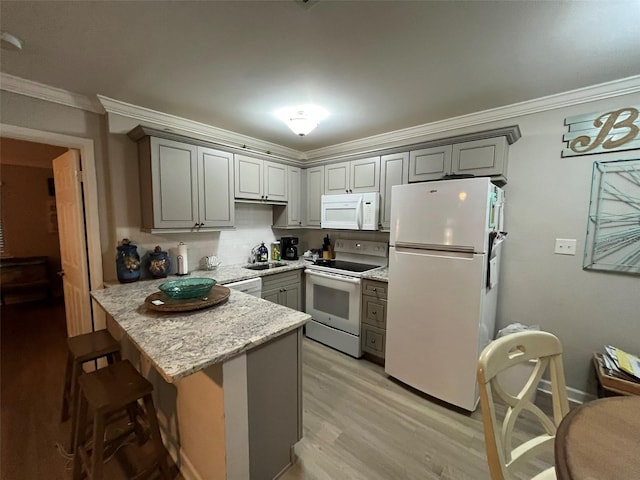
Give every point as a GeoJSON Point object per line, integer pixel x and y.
{"type": "Point", "coordinates": [179, 344]}
{"type": "Point", "coordinates": [381, 274]}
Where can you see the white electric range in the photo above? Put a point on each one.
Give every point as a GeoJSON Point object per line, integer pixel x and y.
{"type": "Point", "coordinates": [333, 290]}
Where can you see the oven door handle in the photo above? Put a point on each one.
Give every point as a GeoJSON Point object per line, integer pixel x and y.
{"type": "Point", "coordinates": [339, 278]}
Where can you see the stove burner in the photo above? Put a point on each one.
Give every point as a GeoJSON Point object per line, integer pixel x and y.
{"type": "Point", "coordinates": [344, 265]}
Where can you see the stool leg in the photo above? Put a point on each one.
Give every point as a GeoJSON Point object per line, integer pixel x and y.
{"type": "Point", "coordinates": [97, 456]}
{"type": "Point", "coordinates": [66, 393]}
{"type": "Point", "coordinates": [74, 394]}
{"type": "Point", "coordinates": [79, 434]}
{"type": "Point", "coordinates": [156, 438]}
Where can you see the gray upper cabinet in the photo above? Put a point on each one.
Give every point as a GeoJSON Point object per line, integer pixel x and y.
{"type": "Point", "coordinates": [184, 187]}
{"type": "Point", "coordinates": [294, 205]}
{"type": "Point", "coordinates": [429, 163]}
{"type": "Point", "coordinates": [356, 176]}
{"type": "Point", "coordinates": [314, 190]}
{"type": "Point", "coordinates": [486, 157]}
{"type": "Point", "coordinates": [290, 215]}
{"type": "Point", "coordinates": [257, 179]}
{"type": "Point", "coordinates": [394, 170]}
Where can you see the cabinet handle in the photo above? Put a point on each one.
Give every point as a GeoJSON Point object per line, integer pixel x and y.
{"type": "Point", "coordinates": [201, 225]}
{"type": "Point", "coordinates": [195, 225]}
{"type": "Point", "coordinates": [374, 313]}
{"type": "Point", "coordinates": [373, 340]}
{"type": "Point", "coordinates": [266, 196]}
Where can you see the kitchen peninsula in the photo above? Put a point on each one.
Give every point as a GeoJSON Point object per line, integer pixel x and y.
{"type": "Point", "coordinates": [227, 379]}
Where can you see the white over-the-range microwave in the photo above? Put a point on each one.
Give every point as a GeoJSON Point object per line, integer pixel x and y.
{"type": "Point", "coordinates": [354, 211]}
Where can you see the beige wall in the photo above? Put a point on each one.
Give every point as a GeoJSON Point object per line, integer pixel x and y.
{"type": "Point", "coordinates": [25, 214]}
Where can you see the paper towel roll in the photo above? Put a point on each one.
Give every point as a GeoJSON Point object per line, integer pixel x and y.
{"type": "Point", "coordinates": [183, 261]}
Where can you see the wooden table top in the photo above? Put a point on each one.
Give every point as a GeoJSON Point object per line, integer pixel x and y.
{"type": "Point", "coordinates": [600, 440]}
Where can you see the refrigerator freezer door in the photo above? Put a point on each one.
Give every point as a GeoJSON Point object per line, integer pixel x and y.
{"type": "Point", "coordinates": [450, 214]}
{"type": "Point", "coordinates": [434, 315]}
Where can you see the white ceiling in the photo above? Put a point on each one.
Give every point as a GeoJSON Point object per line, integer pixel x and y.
{"type": "Point", "coordinates": [377, 66]}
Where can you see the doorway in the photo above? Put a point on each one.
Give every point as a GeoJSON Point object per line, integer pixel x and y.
{"type": "Point", "coordinates": [92, 255]}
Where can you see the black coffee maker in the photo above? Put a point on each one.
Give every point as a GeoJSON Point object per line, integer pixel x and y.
{"type": "Point", "coordinates": [289, 248]}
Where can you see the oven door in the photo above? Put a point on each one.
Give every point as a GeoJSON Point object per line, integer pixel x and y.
{"type": "Point", "coordinates": [334, 300]}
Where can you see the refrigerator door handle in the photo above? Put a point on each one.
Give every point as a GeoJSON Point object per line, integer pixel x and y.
{"type": "Point", "coordinates": [439, 248]}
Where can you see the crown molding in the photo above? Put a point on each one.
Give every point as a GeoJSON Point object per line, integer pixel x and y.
{"type": "Point", "coordinates": [209, 132]}
{"type": "Point", "coordinates": [397, 138]}
{"type": "Point", "coordinates": [21, 86]}
{"type": "Point", "coordinates": [423, 132]}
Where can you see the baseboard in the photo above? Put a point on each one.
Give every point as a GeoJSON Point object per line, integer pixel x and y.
{"type": "Point", "coordinates": [574, 395]}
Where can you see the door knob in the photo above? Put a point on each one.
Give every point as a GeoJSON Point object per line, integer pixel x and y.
{"type": "Point", "coordinates": [60, 273]}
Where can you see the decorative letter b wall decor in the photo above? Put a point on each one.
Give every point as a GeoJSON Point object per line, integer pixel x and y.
{"type": "Point", "coordinates": [603, 132]}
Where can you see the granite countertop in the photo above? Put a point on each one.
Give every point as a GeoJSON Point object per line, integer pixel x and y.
{"type": "Point", "coordinates": [179, 344]}
{"type": "Point", "coordinates": [381, 274]}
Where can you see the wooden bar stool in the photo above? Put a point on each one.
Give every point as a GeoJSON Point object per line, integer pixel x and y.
{"type": "Point", "coordinates": [108, 393]}
{"type": "Point", "coordinates": [82, 349]}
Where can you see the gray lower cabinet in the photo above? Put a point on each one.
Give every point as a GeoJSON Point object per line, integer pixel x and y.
{"type": "Point", "coordinates": [374, 318]}
{"type": "Point", "coordinates": [274, 397]}
{"type": "Point", "coordinates": [284, 289]}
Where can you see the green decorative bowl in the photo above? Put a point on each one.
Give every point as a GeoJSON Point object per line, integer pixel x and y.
{"type": "Point", "coordinates": [188, 287]}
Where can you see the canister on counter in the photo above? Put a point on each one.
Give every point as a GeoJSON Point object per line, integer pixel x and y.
{"type": "Point", "coordinates": [275, 251]}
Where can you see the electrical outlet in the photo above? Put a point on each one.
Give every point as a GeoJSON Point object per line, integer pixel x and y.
{"type": "Point", "coordinates": [565, 246]}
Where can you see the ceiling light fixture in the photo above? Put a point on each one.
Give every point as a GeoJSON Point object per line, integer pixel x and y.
{"type": "Point", "coordinates": [10, 42]}
{"type": "Point", "coordinates": [302, 119]}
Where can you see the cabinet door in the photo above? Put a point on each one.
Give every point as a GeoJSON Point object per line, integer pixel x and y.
{"type": "Point", "coordinates": [215, 181]}
{"type": "Point", "coordinates": [291, 297]}
{"type": "Point", "coordinates": [272, 295]}
{"type": "Point", "coordinates": [336, 178]}
{"type": "Point", "coordinates": [364, 175]}
{"type": "Point", "coordinates": [394, 170]}
{"type": "Point", "coordinates": [429, 163]}
{"type": "Point", "coordinates": [294, 210]}
{"type": "Point", "coordinates": [248, 177]}
{"type": "Point", "coordinates": [275, 181]}
{"type": "Point", "coordinates": [174, 178]}
{"type": "Point", "coordinates": [480, 158]}
{"type": "Point", "coordinates": [315, 189]}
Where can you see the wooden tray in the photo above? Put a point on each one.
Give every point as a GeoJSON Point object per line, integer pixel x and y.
{"type": "Point", "coordinates": [218, 294]}
{"type": "Point", "coordinates": [617, 385]}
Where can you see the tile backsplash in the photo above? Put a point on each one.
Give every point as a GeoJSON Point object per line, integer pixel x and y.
{"type": "Point", "coordinates": [253, 225]}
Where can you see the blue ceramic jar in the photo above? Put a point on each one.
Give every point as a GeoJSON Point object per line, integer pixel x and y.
{"type": "Point", "coordinates": [159, 263]}
{"type": "Point", "coordinates": [127, 262]}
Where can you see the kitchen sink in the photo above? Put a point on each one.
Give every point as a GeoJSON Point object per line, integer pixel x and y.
{"type": "Point", "coordinates": [264, 266]}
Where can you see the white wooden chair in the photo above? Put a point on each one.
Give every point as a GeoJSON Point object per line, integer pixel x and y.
{"type": "Point", "coordinates": [503, 459]}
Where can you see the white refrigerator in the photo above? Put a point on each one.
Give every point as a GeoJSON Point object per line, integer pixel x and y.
{"type": "Point", "coordinates": [444, 256]}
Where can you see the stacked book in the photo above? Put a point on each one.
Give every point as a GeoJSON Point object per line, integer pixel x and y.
{"type": "Point", "coordinates": [620, 364]}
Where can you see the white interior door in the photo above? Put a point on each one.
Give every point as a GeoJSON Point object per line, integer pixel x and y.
{"type": "Point", "coordinates": [73, 244]}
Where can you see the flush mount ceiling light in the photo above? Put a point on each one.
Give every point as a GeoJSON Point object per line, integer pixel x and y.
{"type": "Point", "coordinates": [10, 42]}
{"type": "Point", "coordinates": [302, 119]}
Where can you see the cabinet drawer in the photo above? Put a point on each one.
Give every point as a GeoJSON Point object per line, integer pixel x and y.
{"type": "Point", "coordinates": [374, 312]}
{"type": "Point", "coordinates": [373, 340]}
{"type": "Point", "coordinates": [375, 289]}
{"type": "Point", "coordinates": [280, 280]}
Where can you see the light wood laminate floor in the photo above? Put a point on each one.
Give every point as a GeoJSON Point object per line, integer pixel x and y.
{"type": "Point", "coordinates": [359, 424]}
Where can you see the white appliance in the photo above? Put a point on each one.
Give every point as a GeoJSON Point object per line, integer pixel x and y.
{"type": "Point", "coordinates": [444, 256]}
{"type": "Point", "coordinates": [354, 211]}
{"type": "Point", "coordinates": [252, 286]}
{"type": "Point", "coordinates": [333, 293]}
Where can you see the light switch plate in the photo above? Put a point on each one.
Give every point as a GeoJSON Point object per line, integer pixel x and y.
{"type": "Point", "coordinates": [565, 246]}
